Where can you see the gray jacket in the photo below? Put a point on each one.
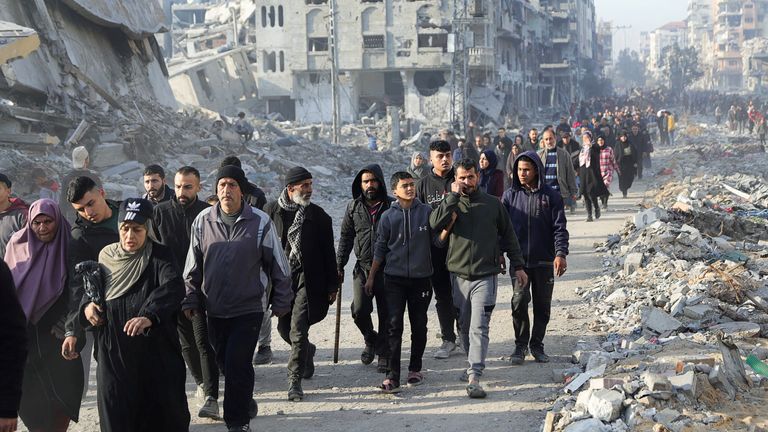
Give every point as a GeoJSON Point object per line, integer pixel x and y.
{"type": "Point", "coordinates": [11, 220]}
{"type": "Point", "coordinates": [232, 269]}
{"type": "Point", "coordinates": [404, 241]}
{"type": "Point", "coordinates": [566, 175]}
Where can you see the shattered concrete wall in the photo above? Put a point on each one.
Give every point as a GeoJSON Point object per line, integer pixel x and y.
{"type": "Point", "coordinates": [118, 62]}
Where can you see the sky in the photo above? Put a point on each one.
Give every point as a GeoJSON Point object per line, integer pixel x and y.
{"type": "Point", "coordinates": [642, 15]}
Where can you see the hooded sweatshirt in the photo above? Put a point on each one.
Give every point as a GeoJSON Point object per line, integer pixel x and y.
{"type": "Point", "coordinates": [538, 218]}
{"type": "Point", "coordinates": [11, 220]}
{"type": "Point", "coordinates": [432, 189]}
{"type": "Point", "coordinates": [404, 241]}
{"type": "Point", "coordinates": [358, 228]}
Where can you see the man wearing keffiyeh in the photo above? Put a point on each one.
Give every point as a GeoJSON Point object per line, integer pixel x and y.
{"type": "Point", "coordinates": [306, 233]}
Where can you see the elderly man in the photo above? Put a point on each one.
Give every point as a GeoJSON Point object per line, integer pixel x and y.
{"type": "Point", "coordinates": [307, 237]}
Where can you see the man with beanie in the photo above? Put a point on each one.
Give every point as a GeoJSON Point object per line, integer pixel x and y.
{"type": "Point", "coordinates": [13, 213]}
{"type": "Point", "coordinates": [234, 256]}
{"type": "Point", "coordinates": [358, 230]}
{"type": "Point", "coordinates": [81, 162]}
{"type": "Point", "coordinates": [172, 224]}
{"type": "Point", "coordinates": [307, 237]}
{"type": "Point", "coordinates": [253, 195]}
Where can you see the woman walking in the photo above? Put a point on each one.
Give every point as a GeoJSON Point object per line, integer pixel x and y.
{"type": "Point", "coordinates": [140, 375]}
{"type": "Point", "coordinates": [607, 166]}
{"type": "Point", "coordinates": [418, 167]}
{"type": "Point", "coordinates": [591, 184]}
{"type": "Point", "coordinates": [37, 256]}
{"type": "Point", "coordinates": [627, 157]}
{"type": "Point", "coordinates": [491, 178]}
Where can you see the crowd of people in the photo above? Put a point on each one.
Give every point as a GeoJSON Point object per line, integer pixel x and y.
{"type": "Point", "coordinates": [146, 284]}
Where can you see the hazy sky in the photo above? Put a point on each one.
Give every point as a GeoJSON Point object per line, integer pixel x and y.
{"type": "Point", "coordinates": [642, 15]}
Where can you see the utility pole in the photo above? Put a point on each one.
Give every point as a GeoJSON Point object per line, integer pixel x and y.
{"type": "Point", "coordinates": [460, 66]}
{"type": "Point", "coordinates": [336, 122]}
{"type": "Point", "coordinates": [625, 28]}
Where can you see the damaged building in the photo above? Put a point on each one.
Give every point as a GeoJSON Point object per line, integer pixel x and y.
{"type": "Point", "coordinates": [514, 55]}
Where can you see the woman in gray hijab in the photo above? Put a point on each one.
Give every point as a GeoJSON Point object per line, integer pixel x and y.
{"type": "Point", "coordinates": [418, 167]}
{"type": "Point", "coordinates": [140, 375]}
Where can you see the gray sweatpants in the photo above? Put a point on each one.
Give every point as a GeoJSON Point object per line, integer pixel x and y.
{"type": "Point", "coordinates": [265, 334]}
{"type": "Point", "coordinates": [475, 301]}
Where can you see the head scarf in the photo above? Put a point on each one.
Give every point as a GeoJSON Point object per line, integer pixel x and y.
{"type": "Point", "coordinates": [585, 156]}
{"type": "Point", "coordinates": [418, 171]}
{"type": "Point", "coordinates": [39, 269]}
{"type": "Point", "coordinates": [122, 268]}
{"type": "Point", "coordinates": [485, 174]}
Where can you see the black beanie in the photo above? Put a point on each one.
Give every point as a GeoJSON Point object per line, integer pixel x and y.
{"type": "Point", "coordinates": [297, 174]}
{"type": "Point", "coordinates": [233, 172]}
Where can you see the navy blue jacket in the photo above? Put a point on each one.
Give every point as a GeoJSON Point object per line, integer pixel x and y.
{"type": "Point", "coordinates": [538, 218]}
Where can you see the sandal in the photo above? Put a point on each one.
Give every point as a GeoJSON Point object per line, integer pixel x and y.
{"type": "Point", "coordinates": [415, 378]}
{"type": "Point", "coordinates": [475, 391]}
{"type": "Point", "coordinates": [390, 386]}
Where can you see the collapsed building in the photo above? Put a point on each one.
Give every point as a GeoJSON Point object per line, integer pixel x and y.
{"type": "Point", "coordinates": [505, 56]}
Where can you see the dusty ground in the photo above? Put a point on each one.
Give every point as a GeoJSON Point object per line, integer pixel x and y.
{"type": "Point", "coordinates": [341, 396]}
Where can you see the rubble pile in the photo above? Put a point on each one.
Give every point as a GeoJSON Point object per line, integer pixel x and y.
{"type": "Point", "coordinates": [683, 298]}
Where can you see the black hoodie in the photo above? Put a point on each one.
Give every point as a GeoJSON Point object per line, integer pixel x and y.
{"type": "Point", "coordinates": [358, 228]}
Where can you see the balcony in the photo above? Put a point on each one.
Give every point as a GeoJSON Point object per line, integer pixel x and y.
{"type": "Point", "coordinates": [555, 66]}
{"type": "Point", "coordinates": [561, 39]}
{"type": "Point", "coordinates": [481, 57]}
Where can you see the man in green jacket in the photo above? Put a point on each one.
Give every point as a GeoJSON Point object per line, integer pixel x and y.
{"type": "Point", "coordinates": [480, 233]}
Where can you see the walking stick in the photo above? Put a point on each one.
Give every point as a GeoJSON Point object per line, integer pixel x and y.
{"type": "Point", "coordinates": [338, 326]}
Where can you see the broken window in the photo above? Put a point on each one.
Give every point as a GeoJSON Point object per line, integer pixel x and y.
{"type": "Point", "coordinates": [318, 44]}
{"type": "Point", "coordinates": [280, 16]}
{"type": "Point", "coordinates": [371, 1]}
{"type": "Point", "coordinates": [373, 41]}
{"type": "Point", "coordinates": [282, 61]}
{"type": "Point", "coordinates": [270, 62]}
{"type": "Point", "coordinates": [319, 78]}
{"type": "Point", "coordinates": [315, 2]}
{"type": "Point", "coordinates": [433, 40]}
{"type": "Point", "coordinates": [428, 83]}
{"type": "Point", "coordinates": [203, 80]}
{"type": "Point", "coordinates": [263, 16]}
{"type": "Point", "coordinates": [271, 16]}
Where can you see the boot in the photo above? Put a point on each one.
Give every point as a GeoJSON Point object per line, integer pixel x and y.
{"type": "Point", "coordinates": [295, 392]}
{"type": "Point", "coordinates": [597, 212]}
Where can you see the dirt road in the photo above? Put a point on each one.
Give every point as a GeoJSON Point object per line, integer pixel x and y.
{"type": "Point", "coordinates": [343, 397]}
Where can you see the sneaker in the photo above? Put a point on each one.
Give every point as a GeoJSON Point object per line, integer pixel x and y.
{"type": "Point", "coordinates": [445, 350]}
{"type": "Point", "coordinates": [253, 409]}
{"type": "Point", "coordinates": [263, 356]}
{"type": "Point", "coordinates": [539, 356]}
{"type": "Point", "coordinates": [368, 354]}
{"type": "Point", "coordinates": [295, 392]}
{"type": "Point", "coordinates": [383, 365]}
{"type": "Point", "coordinates": [518, 357]}
{"type": "Point", "coordinates": [200, 392]}
{"type": "Point", "coordinates": [589, 218]}
{"type": "Point", "coordinates": [243, 428]}
{"type": "Point", "coordinates": [309, 368]}
{"type": "Point", "coordinates": [210, 409]}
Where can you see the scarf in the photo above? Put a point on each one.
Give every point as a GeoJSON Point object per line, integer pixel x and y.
{"type": "Point", "coordinates": [485, 174]}
{"type": "Point", "coordinates": [294, 232]}
{"type": "Point", "coordinates": [122, 268]}
{"type": "Point", "coordinates": [417, 171]}
{"type": "Point", "coordinates": [39, 269]}
{"type": "Point", "coordinates": [585, 156]}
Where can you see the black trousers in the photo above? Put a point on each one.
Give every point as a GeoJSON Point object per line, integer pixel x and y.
{"type": "Point", "coordinates": [362, 308]}
{"type": "Point", "coordinates": [294, 329]}
{"type": "Point", "coordinates": [441, 284]}
{"type": "Point", "coordinates": [541, 282]}
{"type": "Point", "coordinates": [234, 340]}
{"type": "Point", "coordinates": [198, 353]}
{"type": "Point", "coordinates": [415, 294]}
{"type": "Point", "coordinates": [590, 202]}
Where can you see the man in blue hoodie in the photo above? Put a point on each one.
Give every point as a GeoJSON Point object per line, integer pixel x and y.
{"type": "Point", "coordinates": [403, 245]}
{"type": "Point", "coordinates": [538, 216]}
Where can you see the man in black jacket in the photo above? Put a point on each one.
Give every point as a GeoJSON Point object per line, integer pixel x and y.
{"type": "Point", "coordinates": [154, 185]}
{"type": "Point", "coordinates": [95, 227]}
{"type": "Point", "coordinates": [172, 224]}
{"type": "Point", "coordinates": [306, 233]}
{"type": "Point", "coordinates": [431, 190]}
{"type": "Point", "coordinates": [358, 230]}
{"type": "Point", "coordinates": [13, 350]}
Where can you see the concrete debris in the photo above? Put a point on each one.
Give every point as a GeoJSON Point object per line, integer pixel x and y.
{"type": "Point", "coordinates": [682, 284]}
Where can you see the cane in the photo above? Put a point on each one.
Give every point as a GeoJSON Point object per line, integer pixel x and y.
{"type": "Point", "coordinates": [338, 326]}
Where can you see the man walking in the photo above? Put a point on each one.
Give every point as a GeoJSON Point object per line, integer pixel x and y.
{"type": "Point", "coordinates": [234, 253]}
{"type": "Point", "coordinates": [13, 213]}
{"type": "Point", "coordinates": [307, 237]}
{"type": "Point", "coordinates": [403, 246]}
{"type": "Point", "coordinates": [154, 185]}
{"type": "Point", "coordinates": [536, 212]}
{"type": "Point", "coordinates": [431, 190]}
{"type": "Point", "coordinates": [172, 225]}
{"type": "Point", "coordinates": [558, 168]}
{"type": "Point", "coordinates": [358, 230]}
{"type": "Point", "coordinates": [479, 236]}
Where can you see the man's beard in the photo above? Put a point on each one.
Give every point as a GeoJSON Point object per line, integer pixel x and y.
{"type": "Point", "coordinates": [371, 194]}
{"type": "Point", "coordinates": [300, 199]}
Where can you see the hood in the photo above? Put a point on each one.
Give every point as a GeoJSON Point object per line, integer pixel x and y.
{"type": "Point", "coordinates": [416, 203]}
{"type": "Point", "coordinates": [16, 205]}
{"type": "Point", "coordinates": [539, 169]}
{"type": "Point", "coordinates": [357, 189]}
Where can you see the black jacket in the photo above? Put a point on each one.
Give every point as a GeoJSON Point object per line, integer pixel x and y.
{"type": "Point", "coordinates": [358, 228]}
{"type": "Point", "coordinates": [172, 223]}
{"type": "Point", "coordinates": [168, 195]}
{"type": "Point", "coordinates": [13, 345]}
{"type": "Point", "coordinates": [319, 270]}
{"type": "Point", "coordinates": [255, 197]}
{"type": "Point", "coordinates": [432, 189]}
{"type": "Point", "coordinates": [87, 242]}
